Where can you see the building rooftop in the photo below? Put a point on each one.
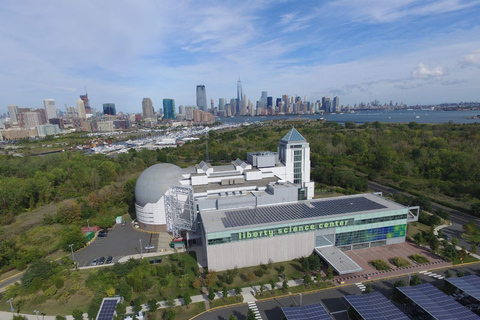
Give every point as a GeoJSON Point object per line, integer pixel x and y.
{"type": "Point", "coordinates": [293, 136]}
{"type": "Point", "coordinates": [245, 184]}
{"type": "Point", "coordinates": [335, 257]}
{"type": "Point", "coordinates": [222, 220]}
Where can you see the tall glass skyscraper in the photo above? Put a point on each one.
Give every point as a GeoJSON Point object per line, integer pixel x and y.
{"type": "Point", "coordinates": [108, 108]}
{"type": "Point", "coordinates": [201, 98]}
{"type": "Point", "coordinates": [169, 109]}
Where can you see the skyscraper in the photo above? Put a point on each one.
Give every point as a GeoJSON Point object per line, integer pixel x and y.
{"type": "Point", "coordinates": [86, 102]}
{"type": "Point", "coordinates": [221, 103]}
{"type": "Point", "coordinates": [326, 105]}
{"type": "Point", "coordinates": [239, 90]}
{"type": "Point", "coordinates": [13, 111]}
{"type": "Point", "coordinates": [336, 104]}
{"type": "Point", "coordinates": [263, 99]}
{"type": "Point", "coordinates": [147, 108]}
{"type": "Point", "coordinates": [169, 109]}
{"type": "Point", "coordinates": [50, 110]}
{"type": "Point", "coordinates": [81, 109]}
{"type": "Point", "coordinates": [201, 98]}
{"type": "Point", "coordinates": [109, 109]}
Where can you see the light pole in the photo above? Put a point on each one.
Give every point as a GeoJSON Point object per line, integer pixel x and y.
{"type": "Point", "coordinates": [36, 312]}
{"type": "Point", "coordinates": [88, 224]}
{"type": "Point", "coordinates": [408, 280]}
{"type": "Point", "coordinates": [11, 306]}
{"type": "Point", "coordinates": [300, 299]}
{"type": "Point", "coordinates": [71, 247]}
{"type": "Point", "coordinates": [141, 249]}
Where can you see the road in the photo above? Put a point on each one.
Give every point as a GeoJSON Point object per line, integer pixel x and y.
{"type": "Point", "coordinates": [332, 299]}
{"type": "Point", "coordinates": [457, 218]}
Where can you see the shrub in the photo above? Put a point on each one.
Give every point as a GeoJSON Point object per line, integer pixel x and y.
{"type": "Point", "coordinates": [400, 262]}
{"type": "Point", "coordinates": [259, 273]}
{"type": "Point", "coordinates": [380, 265]}
{"type": "Point", "coordinates": [418, 258]}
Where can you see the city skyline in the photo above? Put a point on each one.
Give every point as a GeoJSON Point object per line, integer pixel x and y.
{"type": "Point", "coordinates": [412, 51]}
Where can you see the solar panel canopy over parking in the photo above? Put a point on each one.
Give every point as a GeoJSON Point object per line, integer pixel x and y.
{"type": "Point", "coordinates": [309, 312]}
{"type": "Point", "coordinates": [107, 309]}
{"type": "Point", "coordinates": [261, 215]}
{"type": "Point", "coordinates": [436, 303]}
{"type": "Point", "coordinates": [469, 284]}
{"type": "Point", "coordinates": [374, 306]}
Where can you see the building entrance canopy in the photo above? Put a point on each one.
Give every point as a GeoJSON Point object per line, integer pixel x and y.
{"type": "Point", "coordinates": [339, 261]}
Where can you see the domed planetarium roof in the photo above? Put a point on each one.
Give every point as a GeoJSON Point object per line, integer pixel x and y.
{"type": "Point", "coordinates": [155, 181]}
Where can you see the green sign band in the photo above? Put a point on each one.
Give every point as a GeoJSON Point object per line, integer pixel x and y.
{"type": "Point", "coordinates": [291, 229]}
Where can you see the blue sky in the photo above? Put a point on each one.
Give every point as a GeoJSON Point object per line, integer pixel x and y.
{"type": "Point", "coordinates": [418, 52]}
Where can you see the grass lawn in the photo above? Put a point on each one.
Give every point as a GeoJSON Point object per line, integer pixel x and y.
{"type": "Point", "coordinates": [465, 260]}
{"type": "Point", "coordinates": [415, 227]}
{"type": "Point", "coordinates": [223, 302]}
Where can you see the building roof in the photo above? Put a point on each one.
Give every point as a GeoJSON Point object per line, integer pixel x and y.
{"type": "Point", "coordinates": [222, 220]}
{"type": "Point", "coordinates": [469, 284]}
{"type": "Point", "coordinates": [314, 311]}
{"type": "Point", "coordinates": [156, 180]}
{"type": "Point", "coordinates": [335, 257]}
{"type": "Point", "coordinates": [374, 306]}
{"type": "Point", "coordinates": [293, 136]}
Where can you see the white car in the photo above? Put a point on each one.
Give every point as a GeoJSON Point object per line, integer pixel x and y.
{"type": "Point", "coordinates": [149, 247]}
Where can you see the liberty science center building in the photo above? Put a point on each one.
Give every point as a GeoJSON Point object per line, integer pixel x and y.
{"type": "Point", "coordinates": [262, 209]}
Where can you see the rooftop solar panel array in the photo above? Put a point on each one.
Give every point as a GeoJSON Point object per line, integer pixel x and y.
{"type": "Point", "coordinates": [261, 215]}
{"type": "Point", "coordinates": [107, 309]}
{"type": "Point", "coordinates": [436, 303]}
{"type": "Point", "coordinates": [469, 284]}
{"type": "Point", "coordinates": [374, 306]}
{"type": "Point", "coordinates": [310, 312]}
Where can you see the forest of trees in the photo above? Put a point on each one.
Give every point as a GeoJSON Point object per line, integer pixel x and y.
{"type": "Point", "coordinates": [439, 162]}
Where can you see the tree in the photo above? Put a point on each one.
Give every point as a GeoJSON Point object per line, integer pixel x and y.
{"type": "Point", "coordinates": [460, 274]}
{"type": "Point", "coordinates": [169, 314]}
{"type": "Point", "coordinates": [238, 291]}
{"type": "Point", "coordinates": [211, 294]}
{"type": "Point", "coordinates": [368, 288]}
{"type": "Point", "coordinates": [307, 280]}
{"type": "Point", "coordinates": [72, 235]}
{"type": "Point", "coordinates": [272, 284]}
{"type": "Point", "coordinates": [434, 243]}
{"type": "Point", "coordinates": [261, 288]}
{"type": "Point", "coordinates": [448, 274]}
{"type": "Point", "coordinates": [329, 273]}
{"type": "Point", "coordinates": [121, 309]}
{"type": "Point", "coordinates": [455, 241]}
{"type": "Point", "coordinates": [285, 285]}
{"type": "Point", "coordinates": [415, 280]}
{"type": "Point", "coordinates": [197, 284]}
{"type": "Point", "coordinates": [187, 300]}
{"type": "Point", "coordinates": [232, 317]}
{"type": "Point", "coordinates": [137, 306]}
{"type": "Point", "coordinates": [473, 248]}
{"type": "Point", "coordinates": [224, 292]}
{"type": "Point", "coordinates": [77, 314]}
{"type": "Point", "coordinates": [60, 317]}
{"type": "Point", "coordinates": [250, 315]}
{"type": "Point", "coordinates": [152, 305]}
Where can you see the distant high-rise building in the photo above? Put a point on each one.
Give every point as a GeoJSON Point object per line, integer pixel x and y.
{"type": "Point", "coordinates": [86, 102]}
{"type": "Point", "coordinates": [147, 108]}
{"type": "Point", "coordinates": [221, 103]}
{"type": "Point", "coordinates": [239, 91]}
{"type": "Point", "coordinates": [263, 99]}
{"type": "Point", "coordinates": [169, 109]}
{"type": "Point", "coordinates": [269, 102]}
{"type": "Point", "coordinates": [181, 110]}
{"type": "Point", "coordinates": [109, 109]}
{"type": "Point", "coordinates": [31, 118]}
{"type": "Point", "coordinates": [50, 110]}
{"type": "Point", "coordinates": [326, 105]}
{"type": "Point", "coordinates": [13, 111]}
{"type": "Point", "coordinates": [189, 113]}
{"type": "Point", "coordinates": [336, 104]}
{"type": "Point", "coordinates": [201, 98]}
{"type": "Point", "coordinates": [81, 109]}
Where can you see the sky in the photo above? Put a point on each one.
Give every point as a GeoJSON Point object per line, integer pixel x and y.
{"type": "Point", "coordinates": [418, 52]}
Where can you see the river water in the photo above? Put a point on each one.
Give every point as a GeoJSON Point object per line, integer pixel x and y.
{"type": "Point", "coordinates": [398, 116]}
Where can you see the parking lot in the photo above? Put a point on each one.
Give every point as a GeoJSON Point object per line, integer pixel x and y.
{"type": "Point", "coordinates": [119, 242]}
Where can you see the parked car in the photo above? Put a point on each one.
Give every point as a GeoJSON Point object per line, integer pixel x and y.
{"type": "Point", "coordinates": [109, 260]}
{"type": "Point", "coordinates": [124, 223]}
{"type": "Point", "coordinates": [101, 261]}
{"type": "Point", "coordinates": [94, 262]}
{"type": "Point", "coordinates": [102, 234]}
{"type": "Point", "coordinates": [149, 247]}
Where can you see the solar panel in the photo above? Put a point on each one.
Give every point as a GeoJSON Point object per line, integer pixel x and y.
{"type": "Point", "coordinates": [310, 312]}
{"type": "Point", "coordinates": [436, 303]}
{"type": "Point", "coordinates": [469, 284]}
{"type": "Point", "coordinates": [374, 306]}
{"type": "Point", "coordinates": [286, 212]}
{"type": "Point", "coordinates": [107, 309]}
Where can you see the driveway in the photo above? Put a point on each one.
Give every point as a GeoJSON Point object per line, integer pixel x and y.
{"type": "Point", "coordinates": [120, 242]}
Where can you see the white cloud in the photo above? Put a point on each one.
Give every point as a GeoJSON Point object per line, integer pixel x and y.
{"type": "Point", "coordinates": [424, 71]}
{"type": "Point", "coordinates": [472, 59]}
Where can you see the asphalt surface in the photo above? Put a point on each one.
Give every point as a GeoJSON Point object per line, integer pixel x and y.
{"type": "Point", "coordinates": [119, 242]}
{"type": "Point", "coordinates": [457, 218]}
{"type": "Point", "coordinates": [332, 299]}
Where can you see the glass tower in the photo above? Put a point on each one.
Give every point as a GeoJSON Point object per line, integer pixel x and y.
{"type": "Point", "coordinates": [169, 109]}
